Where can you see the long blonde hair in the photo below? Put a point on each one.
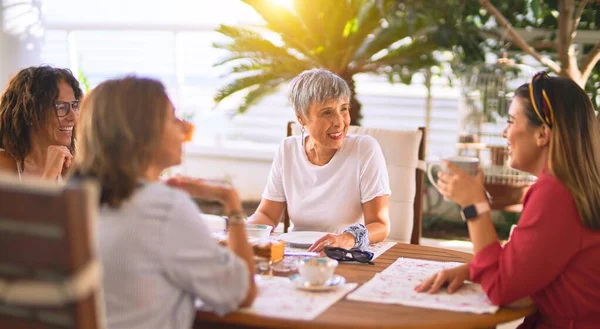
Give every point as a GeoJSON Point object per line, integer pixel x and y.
{"type": "Point", "coordinates": [120, 126]}
{"type": "Point", "coordinates": [574, 153]}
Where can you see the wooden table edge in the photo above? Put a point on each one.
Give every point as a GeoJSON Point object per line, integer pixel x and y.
{"type": "Point", "coordinates": [247, 320]}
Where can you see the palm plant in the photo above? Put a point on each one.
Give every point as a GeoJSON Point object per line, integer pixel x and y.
{"type": "Point", "coordinates": [347, 37]}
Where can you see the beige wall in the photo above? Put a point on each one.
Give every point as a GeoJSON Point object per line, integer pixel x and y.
{"type": "Point", "coordinates": [7, 54]}
{"type": "Point", "coordinates": [247, 170]}
{"type": "Point", "coordinates": [17, 52]}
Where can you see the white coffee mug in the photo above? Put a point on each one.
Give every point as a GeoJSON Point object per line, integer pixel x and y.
{"type": "Point", "coordinates": [470, 165]}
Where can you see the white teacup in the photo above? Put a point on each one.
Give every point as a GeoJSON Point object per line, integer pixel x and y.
{"type": "Point", "coordinates": [470, 165]}
{"type": "Point", "coordinates": [316, 271]}
{"type": "Point", "coordinates": [258, 232]}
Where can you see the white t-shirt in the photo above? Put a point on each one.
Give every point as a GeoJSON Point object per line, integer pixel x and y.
{"type": "Point", "coordinates": [158, 256]}
{"type": "Point", "coordinates": [328, 198]}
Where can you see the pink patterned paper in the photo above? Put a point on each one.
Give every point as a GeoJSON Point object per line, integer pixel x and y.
{"type": "Point", "coordinates": [278, 297]}
{"type": "Point", "coordinates": [395, 285]}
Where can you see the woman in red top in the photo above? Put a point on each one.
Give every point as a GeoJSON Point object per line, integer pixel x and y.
{"type": "Point", "coordinates": [553, 255]}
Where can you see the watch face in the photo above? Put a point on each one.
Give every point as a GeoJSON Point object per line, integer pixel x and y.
{"type": "Point", "coordinates": [469, 212]}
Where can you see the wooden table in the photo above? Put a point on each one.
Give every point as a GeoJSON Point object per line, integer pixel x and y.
{"type": "Point", "coordinates": [353, 314]}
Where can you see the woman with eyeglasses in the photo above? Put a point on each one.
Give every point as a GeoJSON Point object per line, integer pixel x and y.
{"type": "Point", "coordinates": [553, 255]}
{"type": "Point", "coordinates": [38, 111]}
{"type": "Point", "coordinates": [157, 252]}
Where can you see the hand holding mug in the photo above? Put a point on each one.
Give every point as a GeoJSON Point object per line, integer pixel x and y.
{"type": "Point", "coordinates": [460, 187]}
{"type": "Point", "coordinates": [460, 181]}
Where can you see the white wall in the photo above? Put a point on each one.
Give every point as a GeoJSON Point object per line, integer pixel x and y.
{"type": "Point", "coordinates": [21, 39]}
{"type": "Point", "coordinates": [246, 168]}
{"type": "Point", "coordinates": [7, 53]}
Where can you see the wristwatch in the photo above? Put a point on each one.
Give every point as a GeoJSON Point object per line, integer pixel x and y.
{"type": "Point", "coordinates": [235, 218]}
{"type": "Point", "coordinates": [470, 212]}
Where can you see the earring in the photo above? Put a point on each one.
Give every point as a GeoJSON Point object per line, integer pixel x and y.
{"type": "Point", "coordinates": [302, 130]}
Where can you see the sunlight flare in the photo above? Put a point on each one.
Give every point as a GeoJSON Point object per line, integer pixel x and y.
{"type": "Point", "coordinates": [289, 4]}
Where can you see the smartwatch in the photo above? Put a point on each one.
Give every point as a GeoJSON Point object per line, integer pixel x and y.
{"type": "Point", "coordinates": [470, 212]}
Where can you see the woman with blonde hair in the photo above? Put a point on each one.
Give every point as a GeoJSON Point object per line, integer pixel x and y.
{"type": "Point", "coordinates": [157, 252]}
{"type": "Point", "coordinates": [553, 255]}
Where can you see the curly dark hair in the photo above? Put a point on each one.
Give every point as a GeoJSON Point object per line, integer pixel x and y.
{"type": "Point", "coordinates": [23, 105]}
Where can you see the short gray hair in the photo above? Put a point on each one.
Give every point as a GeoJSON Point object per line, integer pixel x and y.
{"type": "Point", "coordinates": [316, 86]}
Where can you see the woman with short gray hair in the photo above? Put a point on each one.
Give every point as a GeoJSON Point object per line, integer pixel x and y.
{"type": "Point", "coordinates": [329, 181]}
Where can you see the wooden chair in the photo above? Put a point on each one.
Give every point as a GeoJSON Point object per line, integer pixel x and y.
{"type": "Point", "coordinates": [49, 273]}
{"type": "Point", "coordinates": [404, 151]}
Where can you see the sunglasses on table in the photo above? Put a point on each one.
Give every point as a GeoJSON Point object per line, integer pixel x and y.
{"type": "Point", "coordinates": [352, 255]}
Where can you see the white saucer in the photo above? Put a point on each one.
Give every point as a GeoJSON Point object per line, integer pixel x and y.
{"type": "Point", "coordinates": [301, 239]}
{"type": "Point", "coordinates": [335, 282]}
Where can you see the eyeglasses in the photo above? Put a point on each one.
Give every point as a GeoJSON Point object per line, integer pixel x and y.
{"type": "Point", "coordinates": [63, 108]}
{"type": "Point", "coordinates": [342, 255]}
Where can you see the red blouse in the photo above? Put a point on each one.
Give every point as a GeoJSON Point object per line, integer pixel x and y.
{"type": "Point", "coordinates": [550, 257]}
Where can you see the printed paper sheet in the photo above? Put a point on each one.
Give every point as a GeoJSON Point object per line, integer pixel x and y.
{"type": "Point", "coordinates": [395, 285]}
{"type": "Point", "coordinates": [278, 297]}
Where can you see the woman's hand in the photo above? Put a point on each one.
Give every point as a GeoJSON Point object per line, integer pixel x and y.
{"type": "Point", "coordinates": [209, 190]}
{"type": "Point", "coordinates": [454, 277]}
{"type": "Point", "coordinates": [58, 158]}
{"type": "Point", "coordinates": [460, 187]}
{"type": "Point", "coordinates": [344, 240]}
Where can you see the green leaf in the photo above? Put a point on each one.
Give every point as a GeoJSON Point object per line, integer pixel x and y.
{"type": "Point", "coordinates": [241, 84]}
{"type": "Point", "coordinates": [284, 22]}
{"type": "Point", "coordinates": [536, 8]}
{"type": "Point", "coordinates": [249, 43]}
{"type": "Point", "coordinates": [255, 95]}
{"type": "Point", "coordinates": [247, 67]}
{"type": "Point", "coordinates": [382, 39]}
{"type": "Point", "coordinates": [351, 27]}
{"type": "Point", "coordinates": [415, 52]}
{"type": "Point", "coordinates": [269, 74]}
{"type": "Point", "coordinates": [83, 79]}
